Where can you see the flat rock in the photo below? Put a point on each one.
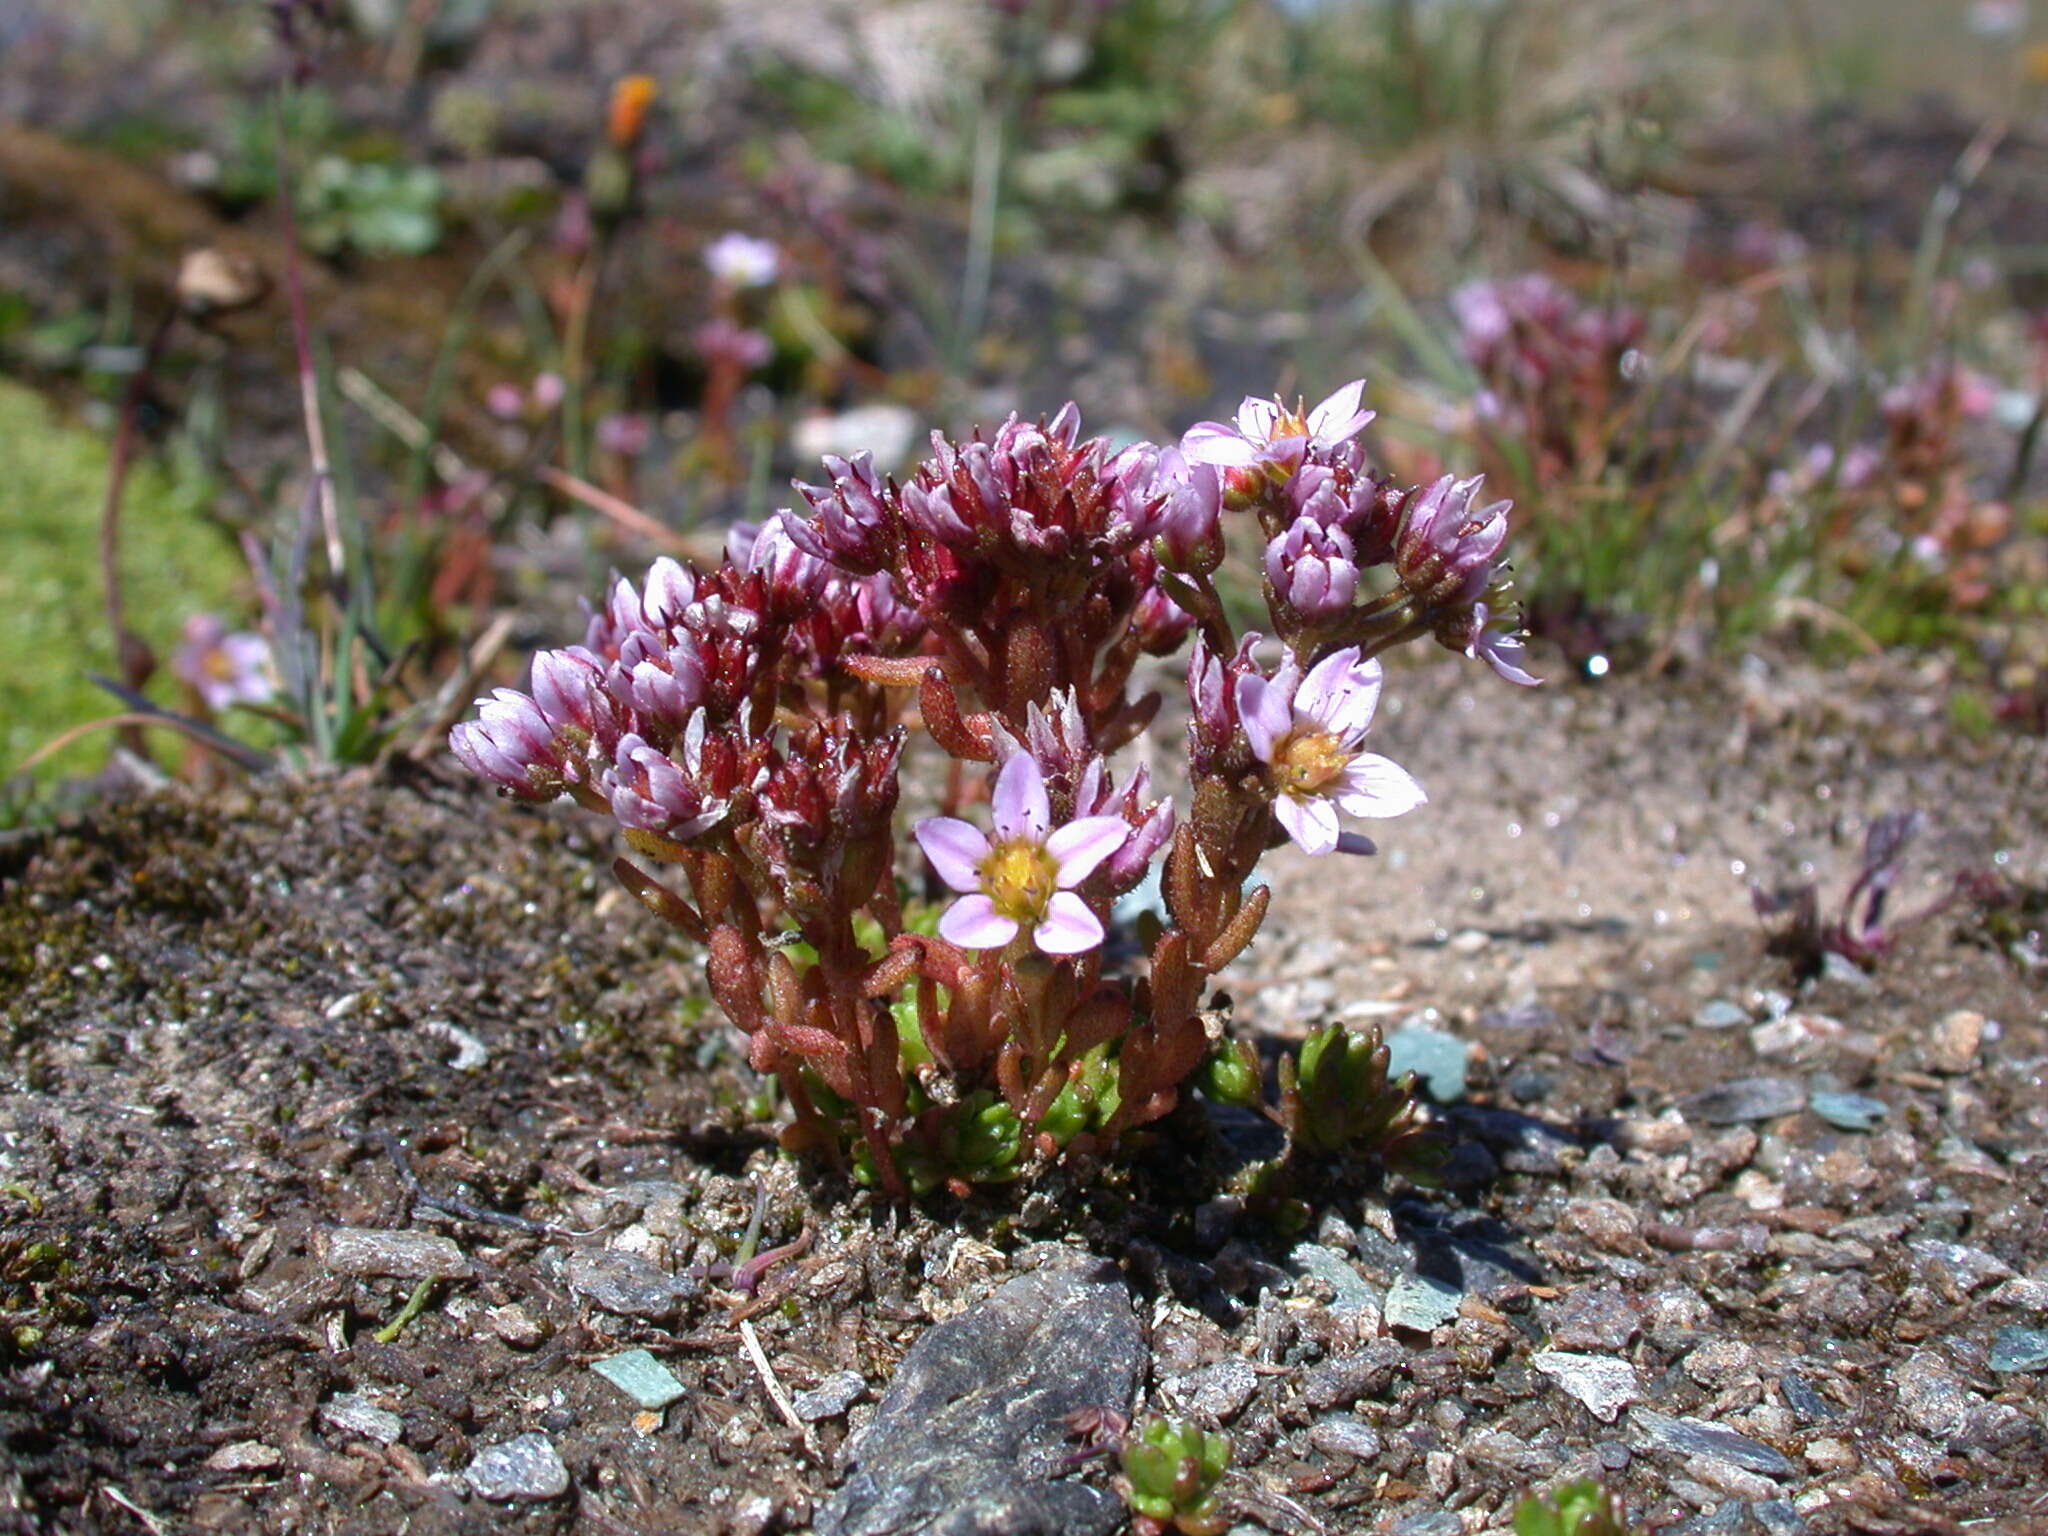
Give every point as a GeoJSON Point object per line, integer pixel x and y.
{"type": "Point", "coordinates": [527, 1468]}
{"type": "Point", "coordinates": [354, 1414]}
{"type": "Point", "coordinates": [1962, 1266]}
{"type": "Point", "coordinates": [365, 1251]}
{"type": "Point", "coordinates": [1952, 1048]}
{"type": "Point", "coordinates": [642, 1378]}
{"type": "Point", "coordinates": [1438, 1059]}
{"type": "Point", "coordinates": [2020, 1349]}
{"type": "Point", "coordinates": [1354, 1294]}
{"type": "Point", "coordinates": [969, 1438]}
{"type": "Point", "coordinates": [1849, 1111]}
{"type": "Point", "coordinates": [1745, 1099]}
{"type": "Point", "coordinates": [625, 1283]}
{"type": "Point", "coordinates": [1421, 1303]}
{"type": "Point", "coordinates": [1345, 1434]}
{"type": "Point", "coordinates": [1217, 1392]}
{"type": "Point", "coordinates": [1714, 1442]}
{"type": "Point", "coordinates": [1603, 1384]}
{"type": "Point", "coordinates": [830, 1397]}
{"type": "Point", "coordinates": [1720, 1014]}
{"type": "Point", "coordinates": [1594, 1317]}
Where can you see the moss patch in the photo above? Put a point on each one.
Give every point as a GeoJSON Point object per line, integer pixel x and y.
{"type": "Point", "coordinates": [53, 627]}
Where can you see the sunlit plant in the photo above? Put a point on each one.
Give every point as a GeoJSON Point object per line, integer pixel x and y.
{"type": "Point", "coordinates": [949, 1015]}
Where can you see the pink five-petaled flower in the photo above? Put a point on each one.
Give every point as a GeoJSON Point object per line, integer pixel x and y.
{"type": "Point", "coordinates": [1265, 433]}
{"type": "Point", "coordinates": [1307, 731]}
{"type": "Point", "coordinates": [1025, 878]}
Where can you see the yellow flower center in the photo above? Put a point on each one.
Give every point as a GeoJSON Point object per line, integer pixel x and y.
{"type": "Point", "coordinates": [1308, 762]}
{"type": "Point", "coordinates": [1019, 876]}
{"type": "Point", "coordinates": [1288, 423]}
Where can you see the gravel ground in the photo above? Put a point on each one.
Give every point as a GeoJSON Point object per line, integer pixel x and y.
{"type": "Point", "coordinates": [356, 1140]}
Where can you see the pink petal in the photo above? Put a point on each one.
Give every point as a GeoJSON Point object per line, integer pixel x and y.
{"type": "Point", "coordinates": [1081, 845]}
{"type": "Point", "coordinates": [1374, 786]}
{"type": "Point", "coordinates": [1257, 418]}
{"type": "Point", "coordinates": [973, 922]}
{"type": "Point", "coordinates": [1338, 417]}
{"type": "Point", "coordinates": [956, 849]}
{"type": "Point", "coordinates": [1312, 823]}
{"type": "Point", "coordinates": [1341, 693]}
{"type": "Point", "coordinates": [1211, 442]}
{"type": "Point", "coordinates": [1263, 713]}
{"type": "Point", "coordinates": [1069, 927]}
{"type": "Point", "coordinates": [1021, 807]}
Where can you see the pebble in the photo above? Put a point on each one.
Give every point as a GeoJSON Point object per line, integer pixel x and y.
{"type": "Point", "coordinates": [1353, 1294]}
{"type": "Point", "coordinates": [1795, 1037]}
{"type": "Point", "coordinates": [642, 1378]}
{"type": "Point", "coordinates": [625, 1283]}
{"type": "Point", "coordinates": [1780, 1517]}
{"type": "Point", "coordinates": [1603, 1384]}
{"type": "Point", "coordinates": [515, 1326]}
{"type": "Point", "coordinates": [399, 1255]}
{"type": "Point", "coordinates": [1217, 1392]}
{"type": "Point", "coordinates": [354, 1414]}
{"type": "Point", "coordinates": [1607, 1224]}
{"type": "Point", "coordinates": [1930, 1396]}
{"type": "Point", "coordinates": [1594, 1318]}
{"type": "Point", "coordinates": [1746, 1099]}
{"type": "Point", "coordinates": [1430, 1522]}
{"type": "Point", "coordinates": [1440, 1060]}
{"type": "Point", "coordinates": [1803, 1400]}
{"type": "Point", "coordinates": [1849, 1111]}
{"type": "Point", "coordinates": [1715, 1442]}
{"type": "Point", "coordinates": [245, 1456]}
{"type": "Point", "coordinates": [526, 1467]}
{"type": "Point", "coordinates": [1720, 1363]}
{"type": "Point", "coordinates": [1345, 1434]}
{"type": "Point", "coordinates": [2020, 1349]}
{"type": "Point", "coordinates": [1421, 1303]}
{"type": "Point", "coordinates": [830, 1397]}
{"type": "Point", "coordinates": [1964, 1267]}
{"type": "Point", "coordinates": [1844, 972]}
{"type": "Point", "coordinates": [1720, 1014]}
{"type": "Point", "coordinates": [2026, 1294]}
{"type": "Point", "coordinates": [1345, 1379]}
{"type": "Point", "coordinates": [1952, 1048]}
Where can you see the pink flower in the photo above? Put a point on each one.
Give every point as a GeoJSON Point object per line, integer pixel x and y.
{"type": "Point", "coordinates": [1026, 877]}
{"type": "Point", "coordinates": [1265, 432]}
{"type": "Point", "coordinates": [1307, 731]}
{"type": "Point", "coordinates": [224, 669]}
{"type": "Point", "coordinates": [742, 260]}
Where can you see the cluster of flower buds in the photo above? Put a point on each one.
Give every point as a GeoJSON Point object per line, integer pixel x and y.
{"type": "Point", "coordinates": [748, 726]}
{"type": "Point", "coordinates": [1551, 368]}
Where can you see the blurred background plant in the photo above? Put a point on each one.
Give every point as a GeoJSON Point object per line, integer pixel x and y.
{"type": "Point", "coordinates": [1742, 303]}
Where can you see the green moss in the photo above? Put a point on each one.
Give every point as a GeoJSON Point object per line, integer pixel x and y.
{"type": "Point", "coordinates": [53, 627]}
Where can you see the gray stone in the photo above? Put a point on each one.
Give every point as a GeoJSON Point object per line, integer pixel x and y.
{"type": "Point", "coordinates": [1720, 1014]}
{"type": "Point", "coordinates": [2025, 1294]}
{"type": "Point", "coordinates": [1344, 1379]}
{"type": "Point", "coordinates": [1345, 1434]}
{"type": "Point", "coordinates": [1354, 1294]}
{"type": "Point", "coordinates": [1421, 1303]}
{"type": "Point", "coordinates": [969, 1436]}
{"type": "Point", "coordinates": [1218, 1391]}
{"type": "Point", "coordinates": [1697, 1437]}
{"type": "Point", "coordinates": [625, 1283]}
{"type": "Point", "coordinates": [2020, 1349]}
{"type": "Point", "coordinates": [1430, 1522]}
{"type": "Point", "coordinates": [642, 1378]}
{"type": "Point", "coordinates": [1849, 1111]}
{"type": "Point", "coordinates": [1964, 1267]}
{"type": "Point", "coordinates": [1603, 1384]}
{"type": "Point", "coordinates": [1844, 972]}
{"type": "Point", "coordinates": [1780, 1517]}
{"type": "Point", "coordinates": [1745, 1099]}
{"type": "Point", "coordinates": [1803, 1400]}
{"type": "Point", "coordinates": [397, 1255]}
{"type": "Point", "coordinates": [354, 1414]}
{"type": "Point", "coordinates": [830, 1397]}
{"type": "Point", "coordinates": [1594, 1318]}
{"type": "Point", "coordinates": [527, 1467]}
{"type": "Point", "coordinates": [1438, 1059]}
